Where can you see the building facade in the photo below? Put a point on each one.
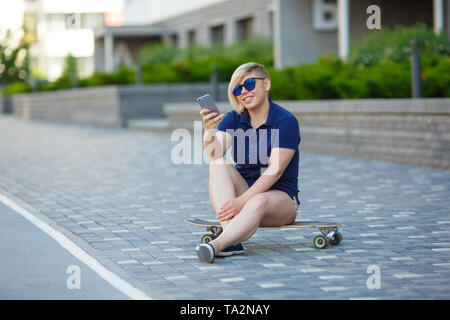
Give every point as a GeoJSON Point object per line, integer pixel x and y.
{"type": "Point", "coordinates": [59, 28]}
{"type": "Point", "coordinates": [301, 30]}
{"type": "Point", "coordinates": [105, 34]}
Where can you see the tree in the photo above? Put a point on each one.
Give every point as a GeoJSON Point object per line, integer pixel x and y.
{"type": "Point", "coordinates": [14, 62]}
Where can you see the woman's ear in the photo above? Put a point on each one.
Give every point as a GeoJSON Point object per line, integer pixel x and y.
{"type": "Point", "coordinates": [267, 84]}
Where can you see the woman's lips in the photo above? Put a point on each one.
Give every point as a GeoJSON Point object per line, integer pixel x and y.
{"type": "Point", "coordinates": [247, 99]}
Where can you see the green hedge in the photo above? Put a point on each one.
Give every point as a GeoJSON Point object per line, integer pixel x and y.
{"type": "Point", "coordinates": [123, 75]}
{"type": "Point", "coordinates": [395, 45]}
{"type": "Point", "coordinates": [331, 79]}
{"type": "Point", "coordinates": [17, 87]}
{"type": "Point", "coordinates": [163, 63]}
{"type": "Point", "coordinates": [378, 67]}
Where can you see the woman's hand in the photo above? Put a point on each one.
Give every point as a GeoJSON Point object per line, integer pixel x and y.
{"type": "Point", "coordinates": [210, 119]}
{"type": "Point", "coordinates": [230, 209]}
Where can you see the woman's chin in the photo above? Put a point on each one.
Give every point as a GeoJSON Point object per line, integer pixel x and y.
{"type": "Point", "coordinates": [249, 105]}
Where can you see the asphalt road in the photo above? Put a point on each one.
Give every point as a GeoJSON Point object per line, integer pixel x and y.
{"type": "Point", "coordinates": [34, 266]}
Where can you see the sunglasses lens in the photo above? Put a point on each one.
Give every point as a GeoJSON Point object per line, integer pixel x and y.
{"type": "Point", "coordinates": [249, 84]}
{"type": "Point", "coordinates": [237, 90]}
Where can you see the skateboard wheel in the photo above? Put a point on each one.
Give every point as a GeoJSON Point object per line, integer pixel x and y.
{"type": "Point", "coordinates": [208, 238]}
{"type": "Point", "coordinates": [337, 238]}
{"type": "Point", "coordinates": [321, 242]}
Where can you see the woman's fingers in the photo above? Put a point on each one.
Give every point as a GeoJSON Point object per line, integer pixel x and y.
{"type": "Point", "coordinates": [227, 217]}
{"type": "Point", "coordinates": [222, 214]}
{"type": "Point", "coordinates": [217, 119]}
{"type": "Point", "coordinates": [210, 119]}
{"type": "Point", "coordinates": [225, 204]}
{"type": "Point", "coordinates": [212, 116]}
{"type": "Point", "coordinates": [225, 213]}
{"type": "Point", "coordinates": [205, 112]}
{"type": "Point", "coordinates": [209, 116]}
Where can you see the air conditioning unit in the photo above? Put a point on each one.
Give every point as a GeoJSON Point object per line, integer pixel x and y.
{"type": "Point", "coordinates": [324, 15]}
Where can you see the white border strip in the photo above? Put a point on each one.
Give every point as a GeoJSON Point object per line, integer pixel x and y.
{"type": "Point", "coordinates": [110, 277]}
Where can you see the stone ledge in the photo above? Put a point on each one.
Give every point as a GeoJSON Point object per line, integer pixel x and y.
{"type": "Point", "coordinates": [155, 125]}
{"type": "Point", "coordinates": [109, 106]}
{"type": "Point", "coordinates": [408, 131]}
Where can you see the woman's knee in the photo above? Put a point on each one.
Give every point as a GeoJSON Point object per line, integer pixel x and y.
{"type": "Point", "coordinates": [219, 163]}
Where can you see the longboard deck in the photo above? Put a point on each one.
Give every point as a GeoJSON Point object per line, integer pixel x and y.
{"type": "Point", "coordinates": [296, 224]}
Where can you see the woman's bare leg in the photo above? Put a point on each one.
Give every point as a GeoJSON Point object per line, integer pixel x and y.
{"type": "Point", "coordinates": [271, 209]}
{"type": "Point", "coordinates": [225, 183]}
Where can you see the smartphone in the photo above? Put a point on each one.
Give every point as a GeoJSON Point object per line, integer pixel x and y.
{"type": "Point", "coordinates": [206, 102]}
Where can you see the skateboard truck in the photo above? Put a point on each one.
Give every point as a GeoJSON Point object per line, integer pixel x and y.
{"type": "Point", "coordinates": [213, 232]}
{"type": "Point", "coordinates": [330, 235]}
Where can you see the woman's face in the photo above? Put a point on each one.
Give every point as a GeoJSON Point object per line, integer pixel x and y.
{"type": "Point", "coordinates": [254, 98]}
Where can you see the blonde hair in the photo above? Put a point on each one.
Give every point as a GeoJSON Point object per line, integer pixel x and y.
{"type": "Point", "coordinates": [240, 72]}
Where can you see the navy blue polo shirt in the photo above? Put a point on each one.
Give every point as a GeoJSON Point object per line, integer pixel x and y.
{"type": "Point", "coordinates": [251, 148]}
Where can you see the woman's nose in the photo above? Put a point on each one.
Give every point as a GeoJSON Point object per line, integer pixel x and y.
{"type": "Point", "coordinates": [243, 91]}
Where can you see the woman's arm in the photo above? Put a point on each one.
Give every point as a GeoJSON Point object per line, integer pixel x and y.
{"type": "Point", "coordinates": [278, 161]}
{"type": "Point", "coordinates": [216, 143]}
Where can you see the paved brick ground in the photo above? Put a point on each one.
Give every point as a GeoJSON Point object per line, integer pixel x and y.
{"type": "Point", "coordinates": [118, 195]}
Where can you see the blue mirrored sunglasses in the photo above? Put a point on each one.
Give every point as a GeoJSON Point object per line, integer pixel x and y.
{"type": "Point", "coordinates": [249, 85]}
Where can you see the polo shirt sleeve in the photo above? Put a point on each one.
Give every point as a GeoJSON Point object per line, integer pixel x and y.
{"type": "Point", "coordinates": [289, 133]}
{"type": "Point", "coordinates": [226, 123]}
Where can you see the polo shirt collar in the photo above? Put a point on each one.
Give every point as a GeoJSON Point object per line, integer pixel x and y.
{"type": "Point", "coordinates": [245, 117]}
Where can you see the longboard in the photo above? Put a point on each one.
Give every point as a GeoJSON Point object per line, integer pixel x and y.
{"type": "Point", "coordinates": [330, 231]}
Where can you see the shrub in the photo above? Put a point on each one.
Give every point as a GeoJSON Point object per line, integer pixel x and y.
{"type": "Point", "coordinates": [378, 67]}
{"type": "Point", "coordinates": [165, 63]}
{"type": "Point", "coordinates": [386, 80]}
{"type": "Point", "coordinates": [124, 75]}
{"type": "Point", "coordinates": [17, 87]}
{"type": "Point", "coordinates": [436, 76]}
{"type": "Point", "coordinates": [308, 81]}
{"type": "Point", "coordinates": [158, 53]}
{"type": "Point", "coordinates": [394, 45]}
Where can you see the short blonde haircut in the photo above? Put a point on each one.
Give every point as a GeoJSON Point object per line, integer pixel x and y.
{"type": "Point", "coordinates": [238, 74]}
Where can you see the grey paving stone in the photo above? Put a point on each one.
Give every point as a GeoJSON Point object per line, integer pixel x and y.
{"type": "Point", "coordinates": [119, 190]}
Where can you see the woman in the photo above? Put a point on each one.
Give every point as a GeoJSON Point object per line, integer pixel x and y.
{"type": "Point", "coordinates": [250, 194]}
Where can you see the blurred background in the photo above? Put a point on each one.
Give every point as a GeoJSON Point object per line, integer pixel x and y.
{"type": "Point", "coordinates": [365, 78]}
{"type": "Point", "coordinates": [54, 44]}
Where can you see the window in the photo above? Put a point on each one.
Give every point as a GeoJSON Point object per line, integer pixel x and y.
{"type": "Point", "coordinates": [191, 37]}
{"type": "Point", "coordinates": [244, 29]}
{"type": "Point", "coordinates": [271, 24]}
{"type": "Point", "coordinates": [174, 39]}
{"type": "Point", "coordinates": [92, 20]}
{"type": "Point", "coordinates": [30, 24]}
{"type": "Point", "coordinates": [56, 21]}
{"type": "Point", "coordinates": [217, 35]}
{"type": "Point", "coordinates": [324, 14]}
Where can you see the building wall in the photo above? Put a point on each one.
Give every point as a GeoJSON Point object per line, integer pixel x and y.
{"type": "Point", "coordinates": [106, 106]}
{"type": "Point", "coordinates": [393, 13]}
{"type": "Point", "coordinates": [447, 17]}
{"type": "Point", "coordinates": [224, 13]}
{"type": "Point", "coordinates": [298, 42]}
